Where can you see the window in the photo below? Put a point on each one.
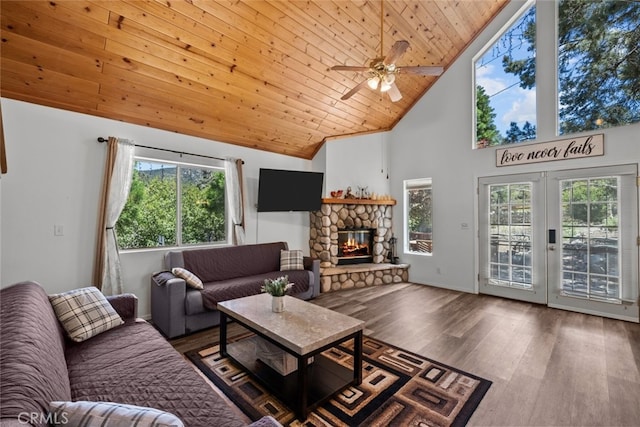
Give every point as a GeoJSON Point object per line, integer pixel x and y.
{"type": "Point", "coordinates": [418, 222]}
{"type": "Point", "coordinates": [505, 81]}
{"type": "Point", "coordinates": [173, 204]}
{"type": "Point", "coordinates": [511, 235]}
{"type": "Point", "coordinates": [598, 64]}
{"type": "Point", "coordinates": [591, 237]}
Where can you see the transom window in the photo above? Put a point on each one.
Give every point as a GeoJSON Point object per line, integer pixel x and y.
{"type": "Point", "coordinates": [505, 77]}
{"type": "Point", "coordinates": [598, 69]}
{"type": "Point", "coordinates": [173, 204]}
{"type": "Point", "coordinates": [598, 64]}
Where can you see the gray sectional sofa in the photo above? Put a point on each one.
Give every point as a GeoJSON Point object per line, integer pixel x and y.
{"type": "Point", "coordinates": [227, 272]}
{"type": "Point", "coordinates": [130, 364]}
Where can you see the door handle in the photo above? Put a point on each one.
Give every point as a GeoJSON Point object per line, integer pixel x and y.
{"type": "Point", "coordinates": [552, 247]}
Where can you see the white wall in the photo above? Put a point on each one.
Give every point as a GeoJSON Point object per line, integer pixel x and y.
{"type": "Point", "coordinates": [358, 161]}
{"type": "Point", "coordinates": [55, 175]}
{"type": "Point", "coordinates": [434, 140]}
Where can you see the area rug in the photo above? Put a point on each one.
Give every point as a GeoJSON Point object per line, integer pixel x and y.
{"type": "Point", "coordinates": [399, 388]}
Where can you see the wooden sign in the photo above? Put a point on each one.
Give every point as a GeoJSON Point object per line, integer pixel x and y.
{"type": "Point", "coordinates": [565, 149]}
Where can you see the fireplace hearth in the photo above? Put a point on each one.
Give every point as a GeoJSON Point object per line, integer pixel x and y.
{"type": "Point", "coordinates": [355, 245]}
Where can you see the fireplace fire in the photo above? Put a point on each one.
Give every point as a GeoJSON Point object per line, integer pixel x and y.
{"type": "Point", "coordinates": [355, 245]}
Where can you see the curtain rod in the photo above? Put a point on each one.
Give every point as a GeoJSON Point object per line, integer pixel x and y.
{"type": "Point", "coordinates": [101, 140]}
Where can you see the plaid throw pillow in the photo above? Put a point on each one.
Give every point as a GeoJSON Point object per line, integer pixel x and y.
{"type": "Point", "coordinates": [98, 414]}
{"type": "Point", "coordinates": [84, 313]}
{"type": "Point", "coordinates": [191, 279]}
{"type": "Point", "coordinates": [291, 260]}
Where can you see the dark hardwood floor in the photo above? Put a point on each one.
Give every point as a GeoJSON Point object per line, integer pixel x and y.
{"type": "Point", "coordinates": [549, 367]}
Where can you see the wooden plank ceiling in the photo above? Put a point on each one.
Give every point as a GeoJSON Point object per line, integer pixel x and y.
{"type": "Point", "coordinates": [252, 73]}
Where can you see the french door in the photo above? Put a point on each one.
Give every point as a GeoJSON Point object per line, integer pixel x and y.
{"type": "Point", "coordinates": [568, 239]}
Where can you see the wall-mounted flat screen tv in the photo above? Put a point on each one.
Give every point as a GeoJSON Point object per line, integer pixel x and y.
{"type": "Point", "coordinates": [286, 190]}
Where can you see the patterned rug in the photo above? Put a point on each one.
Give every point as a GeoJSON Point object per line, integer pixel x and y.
{"type": "Point", "coordinates": [399, 388]}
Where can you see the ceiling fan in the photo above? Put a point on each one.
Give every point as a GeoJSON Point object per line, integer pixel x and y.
{"type": "Point", "coordinates": [382, 70]}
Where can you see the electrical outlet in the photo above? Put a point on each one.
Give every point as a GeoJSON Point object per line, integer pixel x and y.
{"type": "Point", "coordinates": [58, 230]}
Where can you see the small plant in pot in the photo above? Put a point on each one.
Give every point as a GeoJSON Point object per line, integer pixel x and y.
{"type": "Point", "coordinates": [277, 288]}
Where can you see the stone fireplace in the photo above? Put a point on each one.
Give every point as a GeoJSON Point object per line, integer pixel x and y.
{"type": "Point", "coordinates": [347, 233]}
{"type": "Point", "coordinates": [351, 239]}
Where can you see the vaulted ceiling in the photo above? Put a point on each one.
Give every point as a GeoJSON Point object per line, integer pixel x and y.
{"type": "Point", "coordinates": [251, 73]}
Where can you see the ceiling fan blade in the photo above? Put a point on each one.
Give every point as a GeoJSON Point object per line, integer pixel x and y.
{"type": "Point", "coordinates": [348, 68]}
{"type": "Point", "coordinates": [354, 90]}
{"type": "Point", "coordinates": [425, 71]}
{"type": "Point", "coordinates": [396, 51]}
{"type": "Point", "coordinates": [394, 93]}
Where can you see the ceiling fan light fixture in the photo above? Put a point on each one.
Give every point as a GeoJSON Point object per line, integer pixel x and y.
{"type": "Point", "coordinates": [381, 72]}
{"type": "Point", "coordinates": [373, 82]}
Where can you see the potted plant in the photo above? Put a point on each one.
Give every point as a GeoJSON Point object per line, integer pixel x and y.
{"type": "Point", "coordinates": [277, 288]}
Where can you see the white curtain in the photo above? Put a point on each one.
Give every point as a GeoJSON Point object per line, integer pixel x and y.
{"type": "Point", "coordinates": [121, 176]}
{"type": "Point", "coordinates": [233, 178]}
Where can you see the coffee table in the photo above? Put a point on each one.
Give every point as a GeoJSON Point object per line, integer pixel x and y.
{"type": "Point", "coordinates": [303, 330]}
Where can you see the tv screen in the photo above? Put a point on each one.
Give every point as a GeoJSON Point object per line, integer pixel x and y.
{"type": "Point", "coordinates": [286, 190]}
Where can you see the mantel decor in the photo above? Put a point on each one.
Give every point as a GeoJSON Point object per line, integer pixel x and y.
{"type": "Point", "coordinates": [383, 202]}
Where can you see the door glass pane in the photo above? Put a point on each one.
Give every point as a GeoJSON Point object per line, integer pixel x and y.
{"type": "Point", "coordinates": [510, 230]}
{"type": "Point", "coordinates": [590, 245]}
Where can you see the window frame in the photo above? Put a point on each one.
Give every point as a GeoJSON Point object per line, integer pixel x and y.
{"type": "Point", "coordinates": [188, 161]}
{"type": "Point", "coordinates": [413, 184]}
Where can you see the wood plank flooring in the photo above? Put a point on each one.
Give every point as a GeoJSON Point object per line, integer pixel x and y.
{"type": "Point", "coordinates": [549, 367]}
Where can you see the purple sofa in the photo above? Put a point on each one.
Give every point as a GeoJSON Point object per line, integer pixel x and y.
{"type": "Point", "coordinates": [227, 272]}
{"type": "Point", "coordinates": [130, 364]}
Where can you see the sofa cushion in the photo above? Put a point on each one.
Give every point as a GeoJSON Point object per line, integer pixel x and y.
{"type": "Point", "coordinates": [84, 313]}
{"type": "Point", "coordinates": [224, 290]}
{"type": "Point", "coordinates": [99, 414]}
{"type": "Point", "coordinates": [230, 262]}
{"type": "Point", "coordinates": [135, 365]}
{"type": "Point", "coordinates": [291, 260]}
{"type": "Point", "coordinates": [32, 364]}
{"type": "Point", "coordinates": [190, 278]}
